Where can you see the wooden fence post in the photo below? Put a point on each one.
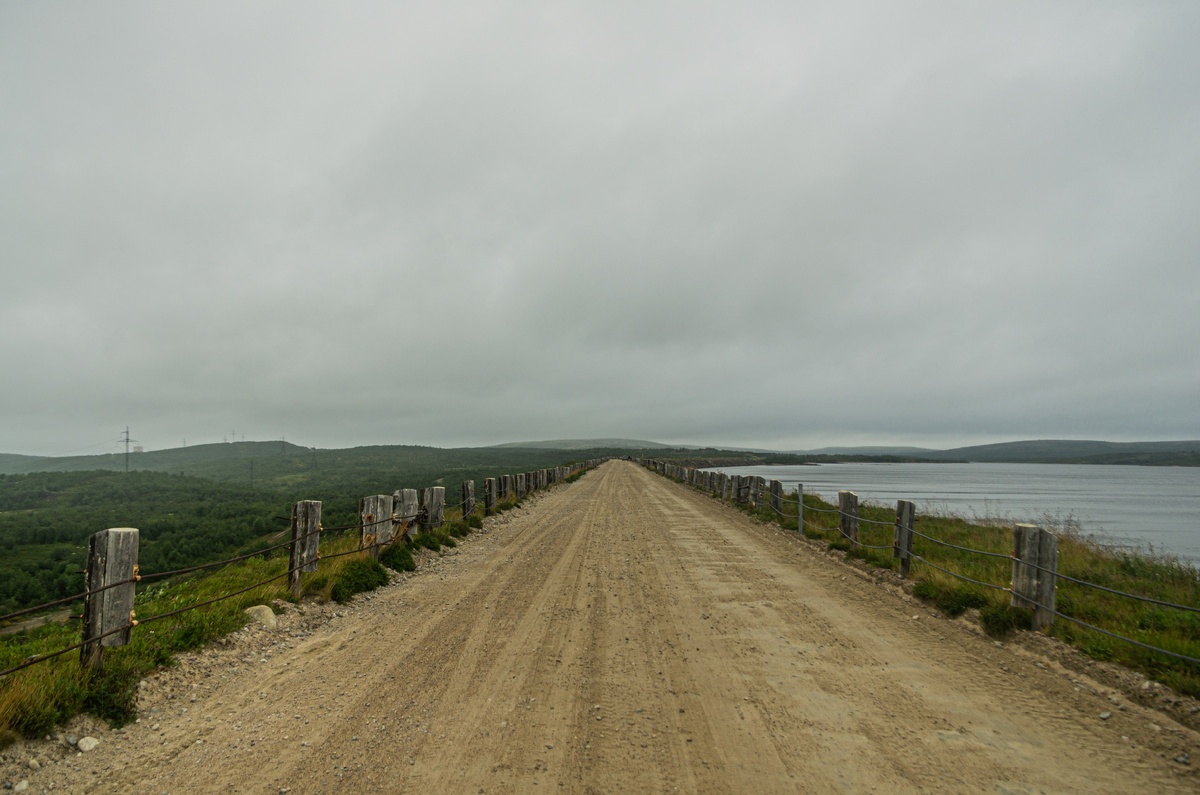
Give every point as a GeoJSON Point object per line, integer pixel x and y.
{"type": "Point", "coordinates": [848, 513]}
{"type": "Point", "coordinates": [902, 537]}
{"type": "Point", "coordinates": [375, 522]}
{"type": "Point", "coordinates": [306, 539]}
{"type": "Point", "coordinates": [800, 507]}
{"type": "Point", "coordinates": [112, 558]}
{"type": "Point", "coordinates": [489, 496]}
{"type": "Point", "coordinates": [408, 507]}
{"type": "Point", "coordinates": [468, 498]}
{"type": "Point", "coordinates": [1034, 572]}
{"type": "Point", "coordinates": [777, 497]}
{"type": "Point", "coordinates": [435, 506]}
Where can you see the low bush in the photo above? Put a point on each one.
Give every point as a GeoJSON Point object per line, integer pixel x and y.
{"type": "Point", "coordinates": [427, 541]}
{"type": "Point", "coordinates": [356, 577]}
{"type": "Point", "coordinates": [1000, 620]}
{"type": "Point", "coordinates": [398, 557]}
{"type": "Point", "coordinates": [951, 599]}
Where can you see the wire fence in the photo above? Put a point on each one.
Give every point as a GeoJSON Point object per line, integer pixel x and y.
{"type": "Point", "coordinates": [718, 489]}
{"type": "Point", "coordinates": [368, 543]}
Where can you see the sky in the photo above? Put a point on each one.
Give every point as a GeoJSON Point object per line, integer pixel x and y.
{"type": "Point", "coordinates": [767, 224]}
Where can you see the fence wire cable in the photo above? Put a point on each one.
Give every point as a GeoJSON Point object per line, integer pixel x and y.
{"type": "Point", "coordinates": [215, 600]}
{"type": "Point", "coordinates": [874, 521]}
{"type": "Point", "coordinates": [1115, 635]}
{"type": "Point", "coordinates": [158, 575]}
{"type": "Point", "coordinates": [68, 599]}
{"type": "Point", "coordinates": [940, 542]}
{"type": "Point", "coordinates": [1115, 592]}
{"type": "Point", "coordinates": [35, 660]}
{"type": "Point", "coordinates": [964, 577]}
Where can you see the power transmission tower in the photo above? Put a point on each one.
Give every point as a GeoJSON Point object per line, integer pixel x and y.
{"type": "Point", "coordinates": [127, 440]}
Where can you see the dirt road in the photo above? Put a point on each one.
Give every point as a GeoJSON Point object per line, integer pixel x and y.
{"type": "Point", "coordinates": [625, 634]}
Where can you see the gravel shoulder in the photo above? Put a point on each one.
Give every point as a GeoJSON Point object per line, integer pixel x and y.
{"type": "Point", "coordinates": [624, 633]}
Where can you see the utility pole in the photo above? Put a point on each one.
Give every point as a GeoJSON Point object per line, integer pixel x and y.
{"type": "Point", "coordinates": [127, 440]}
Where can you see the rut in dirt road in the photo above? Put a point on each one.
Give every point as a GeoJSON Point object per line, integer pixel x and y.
{"type": "Point", "coordinates": [625, 634]}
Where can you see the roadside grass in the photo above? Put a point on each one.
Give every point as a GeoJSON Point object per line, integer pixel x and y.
{"type": "Point", "coordinates": [36, 700]}
{"type": "Point", "coordinates": [1155, 576]}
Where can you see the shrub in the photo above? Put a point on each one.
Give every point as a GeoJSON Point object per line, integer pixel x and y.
{"type": "Point", "coordinates": [357, 576]}
{"type": "Point", "coordinates": [474, 521]}
{"type": "Point", "coordinates": [112, 692]}
{"type": "Point", "coordinates": [925, 589]}
{"type": "Point", "coordinates": [1000, 620]}
{"type": "Point", "coordinates": [398, 557]}
{"type": "Point", "coordinates": [427, 540]}
{"type": "Point", "coordinates": [955, 601]}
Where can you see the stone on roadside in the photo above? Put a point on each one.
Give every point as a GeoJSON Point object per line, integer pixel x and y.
{"type": "Point", "coordinates": [86, 744]}
{"type": "Point", "coordinates": [263, 615]}
{"type": "Point", "coordinates": [21, 785]}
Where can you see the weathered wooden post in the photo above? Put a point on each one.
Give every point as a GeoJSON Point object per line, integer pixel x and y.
{"type": "Point", "coordinates": [505, 486]}
{"type": "Point", "coordinates": [489, 496]}
{"type": "Point", "coordinates": [306, 540]}
{"type": "Point", "coordinates": [407, 504]}
{"type": "Point", "coordinates": [760, 492]}
{"type": "Point", "coordinates": [112, 565]}
{"type": "Point", "coordinates": [777, 497]}
{"type": "Point", "coordinates": [521, 488]}
{"type": "Point", "coordinates": [374, 522]}
{"type": "Point", "coordinates": [1034, 572]}
{"type": "Point", "coordinates": [434, 507]}
{"type": "Point", "coordinates": [800, 507]}
{"type": "Point", "coordinates": [902, 536]}
{"type": "Point", "coordinates": [468, 498]}
{"type": "Point", "coordinates": [848, 513]}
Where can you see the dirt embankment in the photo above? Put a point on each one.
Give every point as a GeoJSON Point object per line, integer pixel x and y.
{"type": "Point", "coordinates": [626, 634]}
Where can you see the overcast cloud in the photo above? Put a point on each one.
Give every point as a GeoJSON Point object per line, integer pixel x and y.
{"type": "Point", "coordinates": [775, 224]}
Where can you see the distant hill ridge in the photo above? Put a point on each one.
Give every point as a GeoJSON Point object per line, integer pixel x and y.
{"type": "Point", "coordinates": [215, 460]}
{"type": "Point", "coordinates": [157, 460]}
{"type": "Point", "coordinates": [1047, 451]}
{"type": "Point", "coordinates": [590, 444]}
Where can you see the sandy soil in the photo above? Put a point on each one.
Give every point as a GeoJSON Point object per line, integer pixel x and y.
{"type": "Point", "coordinates": [625, 634]}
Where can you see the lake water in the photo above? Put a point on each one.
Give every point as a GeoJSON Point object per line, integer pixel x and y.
{"type": "Point", "coordinates": [1143, 507]}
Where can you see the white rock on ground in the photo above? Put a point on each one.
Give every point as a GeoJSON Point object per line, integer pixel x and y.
{"type": "Point", "coordinates": [263, 615]}
{"type": "Point", "coordinates": [87, 744]}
